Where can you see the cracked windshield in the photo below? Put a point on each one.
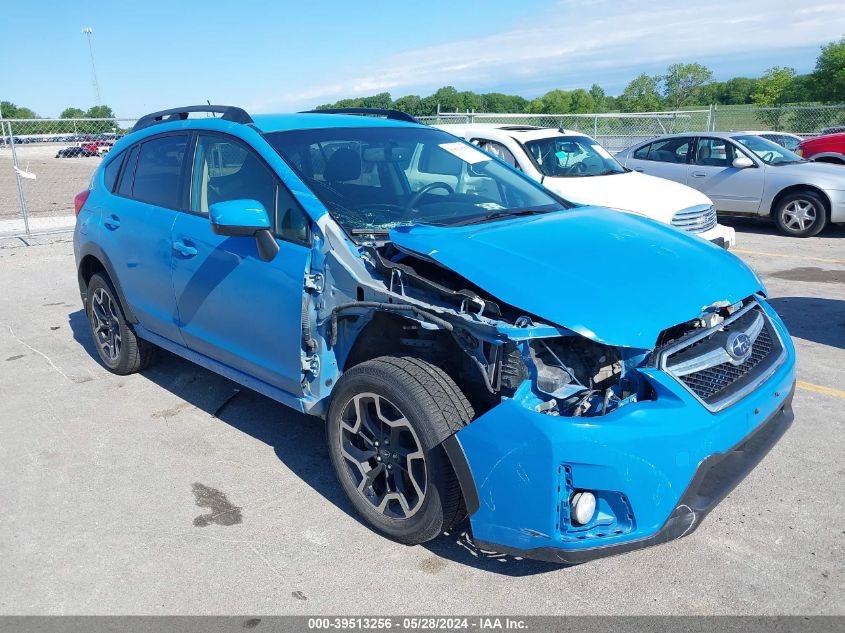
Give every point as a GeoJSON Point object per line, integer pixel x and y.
{"type": "Point", "coordinates": [377, 178]}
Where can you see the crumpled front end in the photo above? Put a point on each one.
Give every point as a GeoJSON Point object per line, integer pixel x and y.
{"type": "Point", "coordinates": [655, 466]}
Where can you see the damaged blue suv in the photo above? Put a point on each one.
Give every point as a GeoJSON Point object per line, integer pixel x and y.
{"type": "Point", "coordinates": [579, 382]}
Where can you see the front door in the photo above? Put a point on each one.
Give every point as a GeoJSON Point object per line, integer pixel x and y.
{"type": "Point", "coordinates": [730, 188]}
{"type": "Point", "coordinates": [233, 307]}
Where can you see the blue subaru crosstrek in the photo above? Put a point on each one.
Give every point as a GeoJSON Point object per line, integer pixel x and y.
{"type": "Point", "coordinates": [580, 382]}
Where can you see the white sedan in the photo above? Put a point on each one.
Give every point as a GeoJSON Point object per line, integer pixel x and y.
{"type": "Point", "coordinates": [578, 168]}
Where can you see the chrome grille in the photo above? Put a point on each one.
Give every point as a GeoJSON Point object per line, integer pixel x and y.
{"type": "Point", "coordinates": [695, 219]}
{"type": "Point", "coordinates": [709, 383]}
{"type": "Point", "coordinates": [706, 365]}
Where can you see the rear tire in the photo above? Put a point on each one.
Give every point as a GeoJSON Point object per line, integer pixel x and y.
{"type": "Point", "coordinates": [385, 425]}
{"type": "Point", "coordinates": [120, 350]}
{"type": "Point", "coordinates": [801, 214]}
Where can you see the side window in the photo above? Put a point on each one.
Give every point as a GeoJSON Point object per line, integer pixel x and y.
{"type": "Point", "coordinates": [125, 188]}
{"type": "Point", "coordinates": [498, 150]}
{"type": "Point", "coordinates": [159, 170]}
{"type": "Point", "coordinates": [714, 152]}
{"type": "Point", "coordinates": [436, 160]}
{"type": "Point", "coordinates": [224, 169]}
{"type": "Point", "coordinates": [112, 170]}
{"type": "Point", "coordinates": [642, 152]}
{"type": "Point", "coordinates": [670, 150]}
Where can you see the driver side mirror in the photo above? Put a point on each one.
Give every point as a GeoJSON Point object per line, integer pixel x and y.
{"type": "Point", "coordinates": [245, 218]}
{"type": "Point", "coordinates": [743, 162]}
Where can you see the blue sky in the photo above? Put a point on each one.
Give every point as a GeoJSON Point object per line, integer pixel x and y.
{"type": "Point", "coordinates": [276, 56]}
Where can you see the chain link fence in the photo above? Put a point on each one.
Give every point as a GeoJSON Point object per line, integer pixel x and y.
{"type": "Point", "coordinates": [615, 131]}
{"type": "Point", "coordinates": [44, 163]}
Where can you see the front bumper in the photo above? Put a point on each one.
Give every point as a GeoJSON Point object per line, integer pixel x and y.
{"type": "Point", "coordinates": [724, 236]}
{"type": "Point", "coordinates": [656, 467]}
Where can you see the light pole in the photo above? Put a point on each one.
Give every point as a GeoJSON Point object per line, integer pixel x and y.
{"type": "Point", "coordinates": [88, 32]}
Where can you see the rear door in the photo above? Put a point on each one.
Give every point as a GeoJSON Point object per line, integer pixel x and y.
{"type": "Point", "coordinates": [233, 307]}
{"type": "Point", "coordinates": [712, 172]}
{"type": "Point", "coordinates": [137, 225]}
{"type": "Point", "coordinates": [665, 158]}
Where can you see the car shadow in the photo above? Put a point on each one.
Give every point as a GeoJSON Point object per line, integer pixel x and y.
{"type": "Point", "coordinates": [298, 441]}
{"type": "Point", "coordinates": [814, 319]}
{"type": "Point", "coordinates": [764, 226]}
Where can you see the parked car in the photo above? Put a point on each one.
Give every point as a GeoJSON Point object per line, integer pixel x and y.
{"type": "Point", "coordinates": [100, 147]}
{"type": "Point", "coordinates": [747, 175]}
{"type": "Point", "coordinates": [580, 382]}
{"type": "Point", "coordinates": [784, 139]}
{"type": "Point", "coordinates": [578, 168]}
{"type": "Point", "coordinates": [824, 149]}
{"type": "Point", "coordinates": [75, 152]}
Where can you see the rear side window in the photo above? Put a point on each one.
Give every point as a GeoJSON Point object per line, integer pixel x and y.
{"type": "Point", "coordinates": [125, 188]}
{"type": "Point", "coordinates": [159, 170]}
{"type": "Point", "coordinates": [642, 153]}
{"type": "Point", "coordinates": [498, 150]}
{"type": "Point", "coordinates": [112, 170]}
{"type": "Point", "coordinates": [435, 160]}
{"type": "Point", "coordinates": [670, 150]}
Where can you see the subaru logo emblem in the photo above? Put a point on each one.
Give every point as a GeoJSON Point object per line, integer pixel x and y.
{"type": "Point", "coordinates": [738, 345]}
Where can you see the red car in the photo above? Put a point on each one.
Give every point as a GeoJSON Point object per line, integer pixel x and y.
{"type": "Point", "coordinates": [98, 147]}
{"type": "Point", "coordinates": [829, 148]}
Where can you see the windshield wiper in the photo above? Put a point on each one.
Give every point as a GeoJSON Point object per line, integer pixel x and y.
{"type": "Point", "coordinates": [513, 213]}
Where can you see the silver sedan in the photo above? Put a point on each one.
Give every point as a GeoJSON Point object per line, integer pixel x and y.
{"type": "Point", "coordinates": [747, 175]}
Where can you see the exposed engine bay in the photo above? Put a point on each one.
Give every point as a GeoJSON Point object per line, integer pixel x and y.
{"type": "Point", "coordinates": [493, 350]}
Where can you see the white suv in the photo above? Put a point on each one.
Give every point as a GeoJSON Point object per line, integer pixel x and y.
{"type": "Point", "coordinates": [578, 168]}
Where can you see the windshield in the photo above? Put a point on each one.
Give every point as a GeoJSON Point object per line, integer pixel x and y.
{"type": "Point", "coordinates": [767, 151]}
{"type": "Point", "coordinates": [372, 179]}
{"type": "Point", "coordinates": [570, 156]}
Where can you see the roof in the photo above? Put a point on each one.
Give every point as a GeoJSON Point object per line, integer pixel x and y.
{"type": "Point", "coordinates": [761, 132]}
{"type": "Point", "coordinates": [307, 120]}
{"type": "Point", "coordinates": [522, 133]}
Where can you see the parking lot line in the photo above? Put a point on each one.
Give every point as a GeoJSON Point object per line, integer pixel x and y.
{"type": "Point", "coordinates": [828, 391]}
{"type": "Point", "coordinates": [743, 251]}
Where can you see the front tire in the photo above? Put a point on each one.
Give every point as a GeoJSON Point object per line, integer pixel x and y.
{"type": "Point", "coordinates": [385, 426]}
{"type": "Point", "coordinates": [120, 350]}
{"type": "Point", "coordinates": [801, 214]}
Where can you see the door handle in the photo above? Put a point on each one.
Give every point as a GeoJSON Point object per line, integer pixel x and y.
{"type": "Point", "coordinates": [639, 169]}
{"type": "Point", "coordinates": [184, 250]}
{"type": "Point", "coordinates": [112, 222]}
{"type": "Point", "coordinates": [699, 174]}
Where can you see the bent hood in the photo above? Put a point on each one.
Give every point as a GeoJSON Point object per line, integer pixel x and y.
{"type": "Point", "coordinates": [613, 277]}
{"type": "Point", "coordinates": [656, 198]}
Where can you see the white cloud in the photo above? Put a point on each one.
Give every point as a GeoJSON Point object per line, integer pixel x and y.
{"type": "Point", "coordinates": [590, 38]}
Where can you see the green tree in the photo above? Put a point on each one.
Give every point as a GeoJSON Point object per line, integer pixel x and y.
{"type": "Point", "coordinates": [772, 91]}
{"type": "Point", "coordinates": [99, 112]}
{"type": "Point", "coordinates": [556, 102]}
{"type": "Point", "coordinates": [682, 82]}
{"type": "Point", "coordinates": [829, 75]}
{"type": "Point", "coordinates": [599, 96]}
{"type": "Point", "coordinates": [72, 113]}
{"type": "Point", "coordinates": [582, 102]}
{"type": "Point", "coordinates": [500, 102]}
{"type": "Point", "coordinates": [449, 99]}
{"type": "Point", "coordinates": [12, 111]}
{"type": "Point", "coordinates": [641, 95]}
{"type": "Point", "coordinates": [734, 91]}
{"type": "Point", "coordinates": [412, 104]}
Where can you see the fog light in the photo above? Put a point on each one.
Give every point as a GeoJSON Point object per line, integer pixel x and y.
{"type": "Point", "coordinates": [582, 507]}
